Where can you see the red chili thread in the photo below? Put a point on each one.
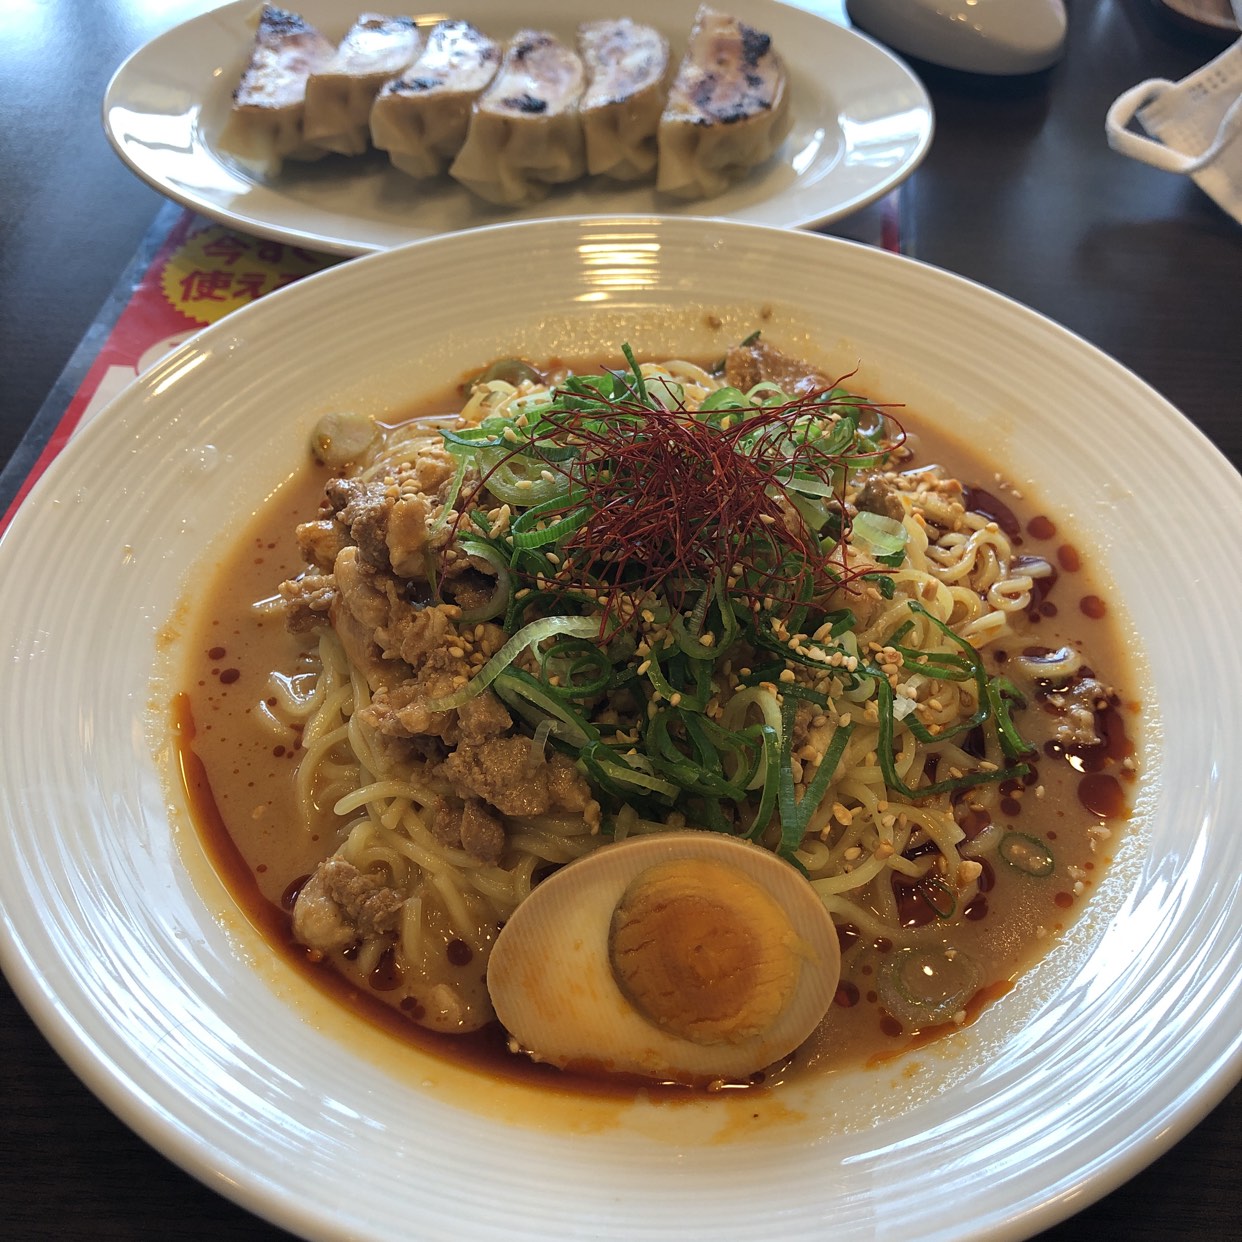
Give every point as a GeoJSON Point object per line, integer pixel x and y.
{"type": "Point", "coordinates": [674, 497]}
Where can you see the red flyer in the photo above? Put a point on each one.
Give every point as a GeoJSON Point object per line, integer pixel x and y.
{"type": "Point", "coordinates": [200, 272]}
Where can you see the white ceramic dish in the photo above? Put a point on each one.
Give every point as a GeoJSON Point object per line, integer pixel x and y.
{"type": "Point", "coordinates": [135, 962]}
{"type": "Point", "coordinates": [862, 124]}
{"type": "Point", "coordinates": [980, 36]}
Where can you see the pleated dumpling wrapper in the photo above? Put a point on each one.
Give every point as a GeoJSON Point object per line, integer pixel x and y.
{"type": "Point", "coordinates": [265, 126]}
{"type": "Point", "coordinates": [627, 68]}
{"type": "Point", "coordinates": [339, 97]}
{"type": "Point", "coordinates": [525, 131]}
{"type": "Point", "coordinates": [728, 109]}
{"type": "Point", "coordinates": [421, 117]}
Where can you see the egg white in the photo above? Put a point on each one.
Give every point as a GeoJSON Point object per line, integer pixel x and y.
{"type": "Point", "coordinates": [552, 984]}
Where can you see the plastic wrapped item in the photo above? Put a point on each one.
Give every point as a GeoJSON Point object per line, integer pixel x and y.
{"type": "Point", "coordinates": [1192, 127]}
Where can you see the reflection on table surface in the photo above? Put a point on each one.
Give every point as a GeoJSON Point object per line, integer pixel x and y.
{"type": "Point", "coordinates": [1019, 192]}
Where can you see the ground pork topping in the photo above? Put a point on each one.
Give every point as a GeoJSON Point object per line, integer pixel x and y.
{"type": "Point", "coordinates": [307, 601]}
{"type": "Point", "coordinates": [878, 495]}
{"type": "Point", "coordinates": [471, 827]}
{"type": "Point", "coordinates": [320, 542]}
{"type": "Point", "coordinates": [750, 364]}
{"type": "Point", "coordinates": [507, 773]}
{"type": "Point", "coordinates": [362, 508]}
{"type": "Point", "coordinates": [340, 905]}
{"type": "Point", "coordinates": [406, 536]}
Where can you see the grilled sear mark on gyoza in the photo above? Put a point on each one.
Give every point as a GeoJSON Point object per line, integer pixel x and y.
{"type": "Point", "coordinates": [339, 98]}
{"type": "Point", "coordinates": [525, 131]}
{"type": "Point", "coordinates": [265, 126]}
{"type": "Point", "coordinates": [421, 117]}
{"type": "Point", "coordinates": [728, 110]}
{"type": "Point", "coordinates": [627, 67]}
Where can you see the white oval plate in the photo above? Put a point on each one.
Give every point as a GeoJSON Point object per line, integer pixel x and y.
{"type": "Point", "coordinates": [135, 962]}
{"type": "Point", "coordinates": [862, 124]}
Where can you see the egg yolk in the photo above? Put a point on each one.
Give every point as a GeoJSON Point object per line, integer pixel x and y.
{"type": "Point", "coordinates": [703, 951]}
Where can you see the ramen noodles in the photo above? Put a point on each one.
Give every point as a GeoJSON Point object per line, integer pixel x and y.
{"type": "Point", "coordinates": [465, 650]}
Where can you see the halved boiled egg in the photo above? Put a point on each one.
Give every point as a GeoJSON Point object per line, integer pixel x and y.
{"type": "Point", "coordinates": [684, 956]}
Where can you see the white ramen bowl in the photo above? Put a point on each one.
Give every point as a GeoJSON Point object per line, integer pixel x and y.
{"type": "Point", "coordinates": [138, 966]}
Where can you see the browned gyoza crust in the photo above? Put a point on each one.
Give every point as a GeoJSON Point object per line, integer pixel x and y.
{"type": "Point", "coordinates": [728, 109]}
{"type": "Point", "coordinates": [526, 131]}
{"type": "Point", "coordinates": [627, 67]}
{"type": "Point", "coordinates": [266, 124]}
{"type": "Point", "coordinates": [339, 98]}
{"type": "Point", "coordinates": [421, 117]}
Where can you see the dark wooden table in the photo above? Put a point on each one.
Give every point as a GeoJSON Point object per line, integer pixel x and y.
{"type": "Point", "coordinates": [1019, 192]}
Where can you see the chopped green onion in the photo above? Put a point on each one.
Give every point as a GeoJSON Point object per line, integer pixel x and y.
{"type": "Point", "coordinates": [938, 896]}
{"type": "Point", "coordinates": [581, 668]}
{"type": "Point", "coordinates": [727, 399]}
{"type": "Point", "coordinates": [496, 603]}
{"type": "Point", "coordinates": [620, 774]}
{"type": "Point", "coordinates": [884, 537]}
{"type": "Point", "coordinates": [528, 636]}
{"type": "Point", "coordinates": [529, 697]}
{"type": "Point", "coordinates": [925, 985]}
{"type": "Point", "coordinates": [450, 499]}
{"type": "Point", "coordinates": [1027, 854]}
